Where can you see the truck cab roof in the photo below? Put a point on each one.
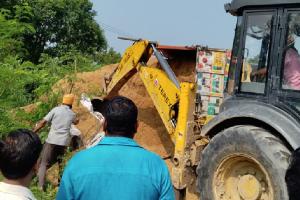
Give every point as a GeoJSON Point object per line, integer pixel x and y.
{"type": "Point", "coordinates": [236, 6]}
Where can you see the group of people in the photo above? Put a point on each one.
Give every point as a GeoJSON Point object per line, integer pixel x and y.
{"type": "Point", "coordinates": [116, 168]}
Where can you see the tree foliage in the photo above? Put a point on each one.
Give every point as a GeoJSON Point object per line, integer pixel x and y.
{"type": "Point", "coordinates": [8, 4]}
{"type": "Point", "coordinates": [53, 27]}
{"type": "Point", "coordinates": [13, 29]}
{"type": "Point", "coordinates": [42, 41]}
{"type": "Point", "coordinates": [62, 26]}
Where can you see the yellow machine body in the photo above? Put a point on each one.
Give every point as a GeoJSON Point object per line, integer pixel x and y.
{"type": "Point", "coordinates": [175, 106]}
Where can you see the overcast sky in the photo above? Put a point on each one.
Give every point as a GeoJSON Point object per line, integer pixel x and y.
{"type": "Point", "coordinates": [171, 22]}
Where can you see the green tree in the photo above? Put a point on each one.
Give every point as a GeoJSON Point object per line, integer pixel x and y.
{"type": "Point", "coordinates": [108, 56]}
{"type": "Point", "coordinates": [8, 4]}
{"type": "Point", "coordinates": [13, 30]}
{"type": "Point", "coordinates": [62, 26]}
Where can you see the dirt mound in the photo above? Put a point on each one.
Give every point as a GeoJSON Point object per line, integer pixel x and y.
{"type": "Point", "coordinates": [89, 83]}
{"type": "Point", "coordinates": [152, 134]}
{"type": "Point", "coordinates": [29, 108]}
{"type": "Point", "coordinates": [86, 82]}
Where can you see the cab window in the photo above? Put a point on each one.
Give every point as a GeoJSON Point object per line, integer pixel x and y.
{"type": "Point", "coordinates": [256, 53]}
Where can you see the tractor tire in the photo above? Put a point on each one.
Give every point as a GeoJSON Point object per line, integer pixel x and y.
{"type": "Point", "coordinates": [243, 162]}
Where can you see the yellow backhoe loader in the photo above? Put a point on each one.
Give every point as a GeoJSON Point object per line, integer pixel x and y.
{"type": "Point", "coordinates": [233, 131]}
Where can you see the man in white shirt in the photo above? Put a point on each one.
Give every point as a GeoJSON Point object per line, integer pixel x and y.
{"type": "Point", "coordinates": [19, 153]}
{"type": "Point", "coordinates": [61, 118]}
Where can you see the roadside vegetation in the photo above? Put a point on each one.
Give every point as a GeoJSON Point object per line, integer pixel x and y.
{"type": "Point", "coordinates": [42, 41]}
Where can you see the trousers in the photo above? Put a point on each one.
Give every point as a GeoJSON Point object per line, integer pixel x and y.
{"type": "Point", "coordinates": [51, 154]}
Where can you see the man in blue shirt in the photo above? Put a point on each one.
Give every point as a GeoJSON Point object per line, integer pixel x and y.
{"type": "Point", "coordinates": [117, 168]}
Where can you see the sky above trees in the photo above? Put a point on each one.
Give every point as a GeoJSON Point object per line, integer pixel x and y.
{"type": "Point", "coordinates": [173, 22]}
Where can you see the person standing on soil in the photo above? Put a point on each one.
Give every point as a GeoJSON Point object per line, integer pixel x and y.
{"type": "Point", "coordinates": [117, 167]}
{"type": "Point", "coordinates": [19, 153]}
{"type": "Point", "coordinates": [61, 119]}
{"type": "Point", "coordinates": [292, 176]}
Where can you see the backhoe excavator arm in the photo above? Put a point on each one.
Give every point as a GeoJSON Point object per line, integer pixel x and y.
{"type": "Point", "coordinates": [163, 90]}
{"type": "Point", "coordinates": [173, 100]}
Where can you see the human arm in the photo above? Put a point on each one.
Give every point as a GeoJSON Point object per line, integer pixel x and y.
{"type": "Point", "coordinates": [260, 72]}
{"type": "Point", "coordinates": [39, 125]}
{"type": "Point", "coordinates": [44, 121]}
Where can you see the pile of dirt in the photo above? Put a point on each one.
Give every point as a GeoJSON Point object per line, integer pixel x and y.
{"type": "Point", "coordinates": [152, 134]}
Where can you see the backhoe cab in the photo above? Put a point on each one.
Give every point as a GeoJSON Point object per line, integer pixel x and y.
{"type": "Point", "coordinates": [239, 150]}
{"type": "Point", "coordinates": [265, 48]}
{"type": "Point", "coordinates": [259, 122]}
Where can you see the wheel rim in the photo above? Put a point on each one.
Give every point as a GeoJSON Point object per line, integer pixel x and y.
{"type": "Point", "coordinates": [241, 177]}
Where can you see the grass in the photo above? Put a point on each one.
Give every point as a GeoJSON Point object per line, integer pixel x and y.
{"type": "Point", "coordinates": [48, 194]}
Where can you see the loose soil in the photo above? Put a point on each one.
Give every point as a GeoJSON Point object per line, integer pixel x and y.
{"type": "Point", "coordinates": [151, 134]}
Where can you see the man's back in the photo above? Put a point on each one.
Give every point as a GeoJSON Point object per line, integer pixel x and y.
{"type": "Point", "coordinates": [61, 118]}
{"type": "Point", "coordinates": [15, 192]}
{"type": "Point", "coordinates": [117, 168]}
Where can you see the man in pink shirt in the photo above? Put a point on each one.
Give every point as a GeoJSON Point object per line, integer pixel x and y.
{"type": "Point", "coordinates": [291, 76]}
